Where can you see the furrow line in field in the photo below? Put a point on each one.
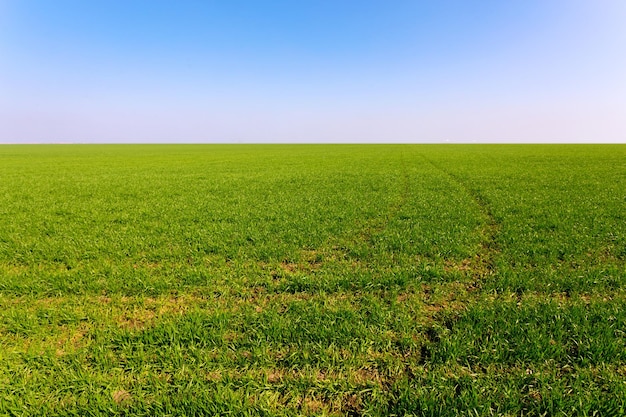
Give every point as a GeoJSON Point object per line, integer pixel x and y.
{"type": "Point", "coordinates": [483, 263]}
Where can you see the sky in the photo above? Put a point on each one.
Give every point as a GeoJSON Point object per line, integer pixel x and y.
{"type": "Point", "coordinates": [366, 71]}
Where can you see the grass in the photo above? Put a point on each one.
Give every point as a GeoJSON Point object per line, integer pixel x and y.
{"type": "Point", "coordinates": [312, 280]}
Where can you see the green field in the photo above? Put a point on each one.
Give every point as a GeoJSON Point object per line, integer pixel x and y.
{"type": "Point", "coordinates": [427, 280]}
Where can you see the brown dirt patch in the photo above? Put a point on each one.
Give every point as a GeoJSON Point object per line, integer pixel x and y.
{"type": "Point", "coordinates": [121, 396]}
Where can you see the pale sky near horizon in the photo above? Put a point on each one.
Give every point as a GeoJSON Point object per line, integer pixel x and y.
{"type": "Point", "coordinates": [312, 71]}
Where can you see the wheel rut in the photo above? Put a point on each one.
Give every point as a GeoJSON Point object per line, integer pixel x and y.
{"type": "Point", "coordinates": [483, 263]}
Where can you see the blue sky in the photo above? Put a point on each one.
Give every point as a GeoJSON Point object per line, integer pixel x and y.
{"type": "Point", "coordinates": [312, 71]}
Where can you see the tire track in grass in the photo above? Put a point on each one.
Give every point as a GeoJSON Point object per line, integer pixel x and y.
{"type": "Point", "coordinates": [483, 263]}
{"type": "Point", "coordinates": [453, 298]}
